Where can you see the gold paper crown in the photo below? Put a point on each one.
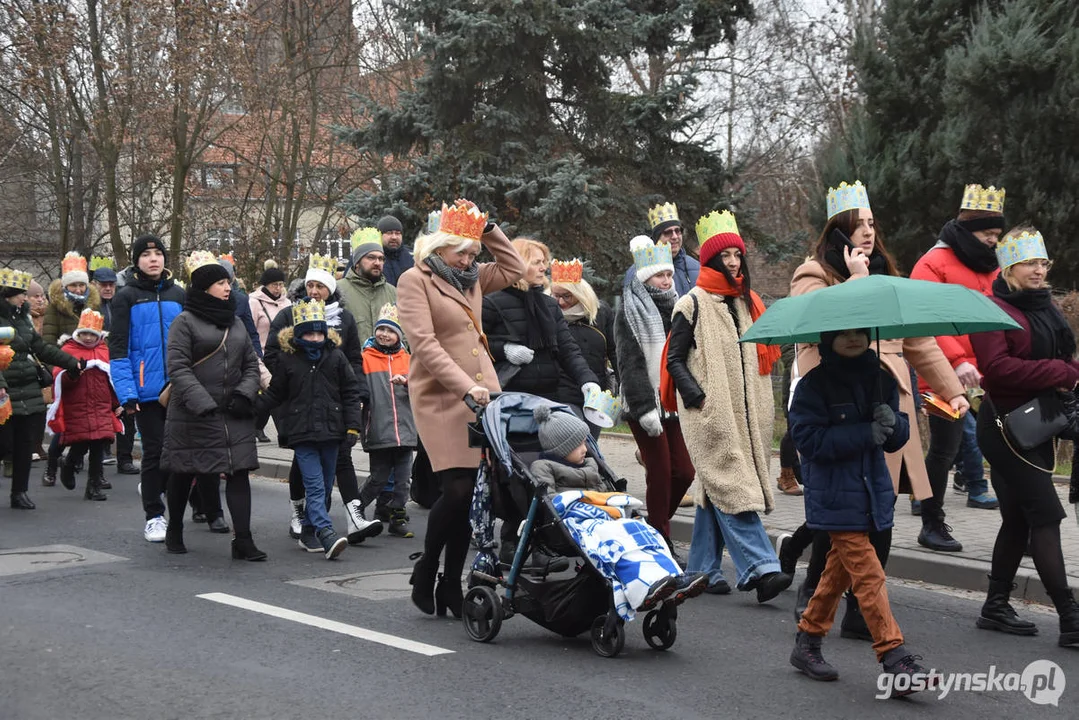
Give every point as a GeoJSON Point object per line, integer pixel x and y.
{"type": "Point", "coordinates": [323, 262]}
{"type": "Point", "coordinates": [72, 262]}
{"type": "Point", "coordinates": [990, 199]}
{"type": "Point", "coordinates": [463, 220]}
{"type": "Point", "coordinates": [91, 320]}
{"type": "Point", "coordinates": [16, 279]}
{"type": "Point", "coordinates": [389, 313]}
{"type": "Point", "coordinates": [661, 214]}
{"type": "Point", "coordinates": [847, 197]}
{"type": "Point", "coordinates": [1020, 248]}
{"type": "Point", "coordinates": [365, 235]}
{"type": "Point", "coordinates": [716, 223]}
{"type": "Point", "coordinates": [199, 258]}
{"type": "Point", "coordinates": [310, 311]}
{"type": "Point", "coordinates": [569, 272]}
{"type": "Point", "coordinates": [97, 262]}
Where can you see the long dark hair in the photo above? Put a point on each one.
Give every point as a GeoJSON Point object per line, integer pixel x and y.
{"type": "Point", "coordinates": [846, 221]}
{"type": "Point", "coordinates": [716, 263]}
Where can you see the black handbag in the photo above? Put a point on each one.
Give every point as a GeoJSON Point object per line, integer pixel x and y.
{"type": "Point", "coordinates": [1035, 422]}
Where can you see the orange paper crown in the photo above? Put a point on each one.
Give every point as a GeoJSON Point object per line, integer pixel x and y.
{"type": "Point", "coordinates": [569, 272]}
{"type": "Point", "coordinates": [72, 262]}
{"type": "Point", "coordinates": [463, 220]}
{"type": "Point", "coordinates": [91, 320]}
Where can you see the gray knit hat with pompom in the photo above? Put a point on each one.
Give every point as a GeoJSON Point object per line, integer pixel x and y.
{"type": "Point", "coordinates": [560, 433]}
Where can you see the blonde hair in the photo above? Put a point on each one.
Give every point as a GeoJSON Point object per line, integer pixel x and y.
{"type": "Point", "coordinates": [585, 295]}
{"type": "Point", "coordinates": [427, 244]}
{"type": "Point", "coordinates": [1016, 231]}
{"type": "Point", "coordinates": [524, 247]}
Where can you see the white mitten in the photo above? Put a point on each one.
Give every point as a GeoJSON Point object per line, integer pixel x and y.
{"type": "Point", "coordinates": [519, 354]}
{"type": "Point", "coordinates": [651, 424]}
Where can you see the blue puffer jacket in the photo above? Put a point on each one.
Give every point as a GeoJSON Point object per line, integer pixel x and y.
{"type": "Point", "coordinates": [847, 485]}
{"type": "Point", "coordinates": [686, 270]}
{"type": "Point", "coordinates": [142, 312]}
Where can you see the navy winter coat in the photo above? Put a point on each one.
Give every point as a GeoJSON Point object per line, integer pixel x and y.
{"type": "Point", "coordinates": [847, 484]}
{"type": "Point", "coordinates": [397, 261]}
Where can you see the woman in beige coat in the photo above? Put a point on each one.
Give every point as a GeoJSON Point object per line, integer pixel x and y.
{"type": "Point", "coordinates": [441, 305]}
{"type": "Point", "coordinates": [851, 248]}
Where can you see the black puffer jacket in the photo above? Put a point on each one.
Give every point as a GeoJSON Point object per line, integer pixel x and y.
{"type": "Point", "coordinates": [596, 341]}
{"type": "Point", "coordinates": [20, 378]}
{"type": "Point", "coordinates": [320, 399]}
{"type": "Point", "coordinates": [197, 443]}
{"type": "Point", "coordinates": [350, 343]}
{"type": "Point", "coordinates": [505, 320]}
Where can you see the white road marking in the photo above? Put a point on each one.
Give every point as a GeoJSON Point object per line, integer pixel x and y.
{"type": "Point", "coordinates": [331, 625]}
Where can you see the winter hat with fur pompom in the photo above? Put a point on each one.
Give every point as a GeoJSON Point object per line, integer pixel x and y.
{"type": "Point", "coordinates": [560, 433]}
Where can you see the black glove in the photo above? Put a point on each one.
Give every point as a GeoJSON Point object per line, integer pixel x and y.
{"type": "Point", "coordinates": [131, 406]}
{"type": "Point", "coordinates": [352, 438]}
{"type": "Point", "coordinates": [240, 406]}
{"type": "Point", "coordinates": [80, 365]}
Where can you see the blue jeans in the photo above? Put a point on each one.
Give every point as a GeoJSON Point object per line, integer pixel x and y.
{"type": "Point", "coordinates": [969, 460]}
{"type": "Point", "coordinates": [317, 463]}
{"type": "Point", "coordinates": [746, 541]}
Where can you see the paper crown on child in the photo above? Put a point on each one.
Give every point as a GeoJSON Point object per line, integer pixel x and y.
{"type": "Point", "coordinates": [199, 258]}
{"type": "Point", "coordinates": [73, 269]}
{"type": "Point", "coordinates": [463, 220]}
{"type": "Point", "coordinates": [1020, 248]}
{"type": "Point", "coordinates": [602, 408]}
{"type": "Point", "coordinates": [308, 311]}
{"type": "Point", "coordinates": [990, 199]}
{"type": "Point", "coordinates": [15, 279]}
{"type": "Point", "coordinates": [567, 272]}
{"type": "Point", "coordinates": [365, 236]}
{"type": "Point", "coordinates": [227, 257]}
{"type": "Point", "coordinates": [847, 197]}
{"type": "Point", "coordinates": [433, 219]}
{"type": "Point", "coordinates": [97, 262]}
{"type": "Point", "coordinates": [661, 217]}
{"type": "Point", "coordinates": [650, 258]}
{"type": "Point", "coordinates": [388, 317]}
{"type": "Point", "coordinates": [91, 321]}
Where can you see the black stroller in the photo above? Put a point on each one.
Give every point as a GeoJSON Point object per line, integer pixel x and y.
{"type": "Point", "coordinates": [506, 432]}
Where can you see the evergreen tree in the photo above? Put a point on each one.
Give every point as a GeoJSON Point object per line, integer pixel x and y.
{"type": "Point", "coordinates": [1010, 101]}
{"type": "Point", "coordinates": [526, 108]}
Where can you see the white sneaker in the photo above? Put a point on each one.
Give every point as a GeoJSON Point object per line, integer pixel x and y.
{"type": "Point", "coordinates": [155, 529]}
{"type": "Point", "coordinates": [295, 525]}
{"type": "Point", "coordinates": [359, 527]}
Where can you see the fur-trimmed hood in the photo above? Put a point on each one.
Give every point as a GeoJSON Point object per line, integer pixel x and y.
{"type": "Point", "coordinates": [333, 339]}
{"type": "Point", "coordinates": [58, 300]}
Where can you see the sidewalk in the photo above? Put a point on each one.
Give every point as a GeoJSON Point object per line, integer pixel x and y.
{"type": "Point", "coordinates": [975, 529]}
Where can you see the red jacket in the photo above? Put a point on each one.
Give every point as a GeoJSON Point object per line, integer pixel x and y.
{"type": "Point", "coordinates": [85, 411]}
{"type": "Point", "coordinates": [941, 265]}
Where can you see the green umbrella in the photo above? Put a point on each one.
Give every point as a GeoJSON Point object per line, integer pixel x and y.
{"type": "Point", "coordinates": [892, 307]}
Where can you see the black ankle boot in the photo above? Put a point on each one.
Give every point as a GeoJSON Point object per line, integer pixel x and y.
{"type": "Point", "coordinates": [1068, 610]}
{"type": "Point", "coordinates": [448, 595]}
{"type": "Point", "coordinates": [422, 581]}
{"type": "Point", "coordinates": [21, 501]}
{"type": "Point", "coordinates": [998, 614]}
{"type": "Point", "coordinates": [93, 489]}
{"type": "Point", "coordinates": [51, 466]}
{"type": "Point", "coordinates": [243, 548]}
{"type": "Point", "coordinates": [853, 626]}
{"type": "Point", "coordinates": [67, 473]}
{"type": "Point", "coordinates": [174, 538]}
{"type": "Point", "coordinates": [807, 657]}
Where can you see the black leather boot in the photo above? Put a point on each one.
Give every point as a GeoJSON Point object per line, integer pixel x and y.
{"type": "Point", "coordinates": [448, 596]}
{"type": "Point", "coordinates": [853, 626]}
{"type": "Point", "coordinates": [93, 489]}
{"type": "Point", "coordinates": [998, 614]}
{"type": "Point", "coordinates": [1068, 610]}
{"type": "Point", "coordinates": [243, 548]}
{"type": "Point", "coordinates": [807, 657]}
{"type": "Point", "coordinates": [21, 501]}
{"type": "Point", "coordinates": [174, 538]}
{"type": "Point", "coordinates": [424, 573]}
{"type": "Point", "coordinates": [51, 466]}
{"type": "Point", "coordinates": [67, 472]}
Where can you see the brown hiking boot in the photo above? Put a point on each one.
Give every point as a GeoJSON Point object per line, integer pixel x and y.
{"type": "Point", "coordinates": [787, 483]}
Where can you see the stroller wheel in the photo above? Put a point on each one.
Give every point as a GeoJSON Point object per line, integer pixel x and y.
{"type": "Point", "coordinates": [660, 629]}
{"type": "Point", "coordinates": [605, 644]}
{"type": "Point", "coordinates": [482, 614]}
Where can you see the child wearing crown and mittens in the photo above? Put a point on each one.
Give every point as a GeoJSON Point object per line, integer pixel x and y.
{"type": "Point", "coordinates": [389, 432]}
{"type": "Point", "coordinates": [83, 412]}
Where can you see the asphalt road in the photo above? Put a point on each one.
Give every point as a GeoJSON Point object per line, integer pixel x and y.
{"type": "Point", "coordinates": [127, 635]}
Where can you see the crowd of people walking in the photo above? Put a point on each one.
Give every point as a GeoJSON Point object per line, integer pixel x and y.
{"type": "Point", "coordinates": [385, 354]}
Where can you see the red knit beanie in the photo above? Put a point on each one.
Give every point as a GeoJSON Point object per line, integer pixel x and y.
{"type": "Point", "coordinates": [718, 243]}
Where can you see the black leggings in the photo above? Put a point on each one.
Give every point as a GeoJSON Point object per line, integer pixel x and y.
{"type": "Point", "coordinates": [20, 432]}
{"type": "Point", "coordinates": [945, 437]}
{"type": "Point", "coordinates": [346, 478]}
{"type": "Point", "coordinates": [237, 495]}
{"type": "Point", "coordinates": [447, 524]}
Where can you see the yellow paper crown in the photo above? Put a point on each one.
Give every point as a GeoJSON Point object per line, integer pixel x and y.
{"type": "Point", "coordinates": [716, 223]}
{"type": "Point", "coordinates": [990, 199]}
{"type": "Point", "coordinates": [310, 311]}
{"type": "Point", "coordinates": [661, 214]}
{"type": "Point", "coordinates": [365, 235]}
{"type": "Point", "coordinates": [388, 313]}
{"type": "Point", "coordinates": [569, 272]}
{"type": "Point", "coordinates": [16, 279]}
{"type": "Point", "coordinates": [1020, 248]}
{"type": "Point", "coordinates": [97, 262]}
{"type": "Point", "coordinates": [847, 197]}
{"type": "Point", "coordinates": [199, 258]}
{"type": "Point", "coordinates": [72, 262]}
{"type": "Point", "coordinates": [323, 262]}
{"type": "Point", "coordinates": [463, 220]}
{"type": "Point", "coordinates": [91, 320]}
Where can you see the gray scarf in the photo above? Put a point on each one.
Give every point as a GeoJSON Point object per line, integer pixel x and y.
{"type": "Point", "coordinates": [643, 307]}
{"type": "Point", "coordinates": [463, 280]}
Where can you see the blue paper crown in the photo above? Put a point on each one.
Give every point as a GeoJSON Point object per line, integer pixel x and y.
{"type": "Point", "coordinates": [647, 254]}
{"type": "Point", "coordinates": [1020, 248]}
{"type": "Point", "coordinates": [847, 197]}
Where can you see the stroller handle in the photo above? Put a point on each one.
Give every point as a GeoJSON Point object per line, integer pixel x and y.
{"type": "Point", "coordinates": [475, 407]}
